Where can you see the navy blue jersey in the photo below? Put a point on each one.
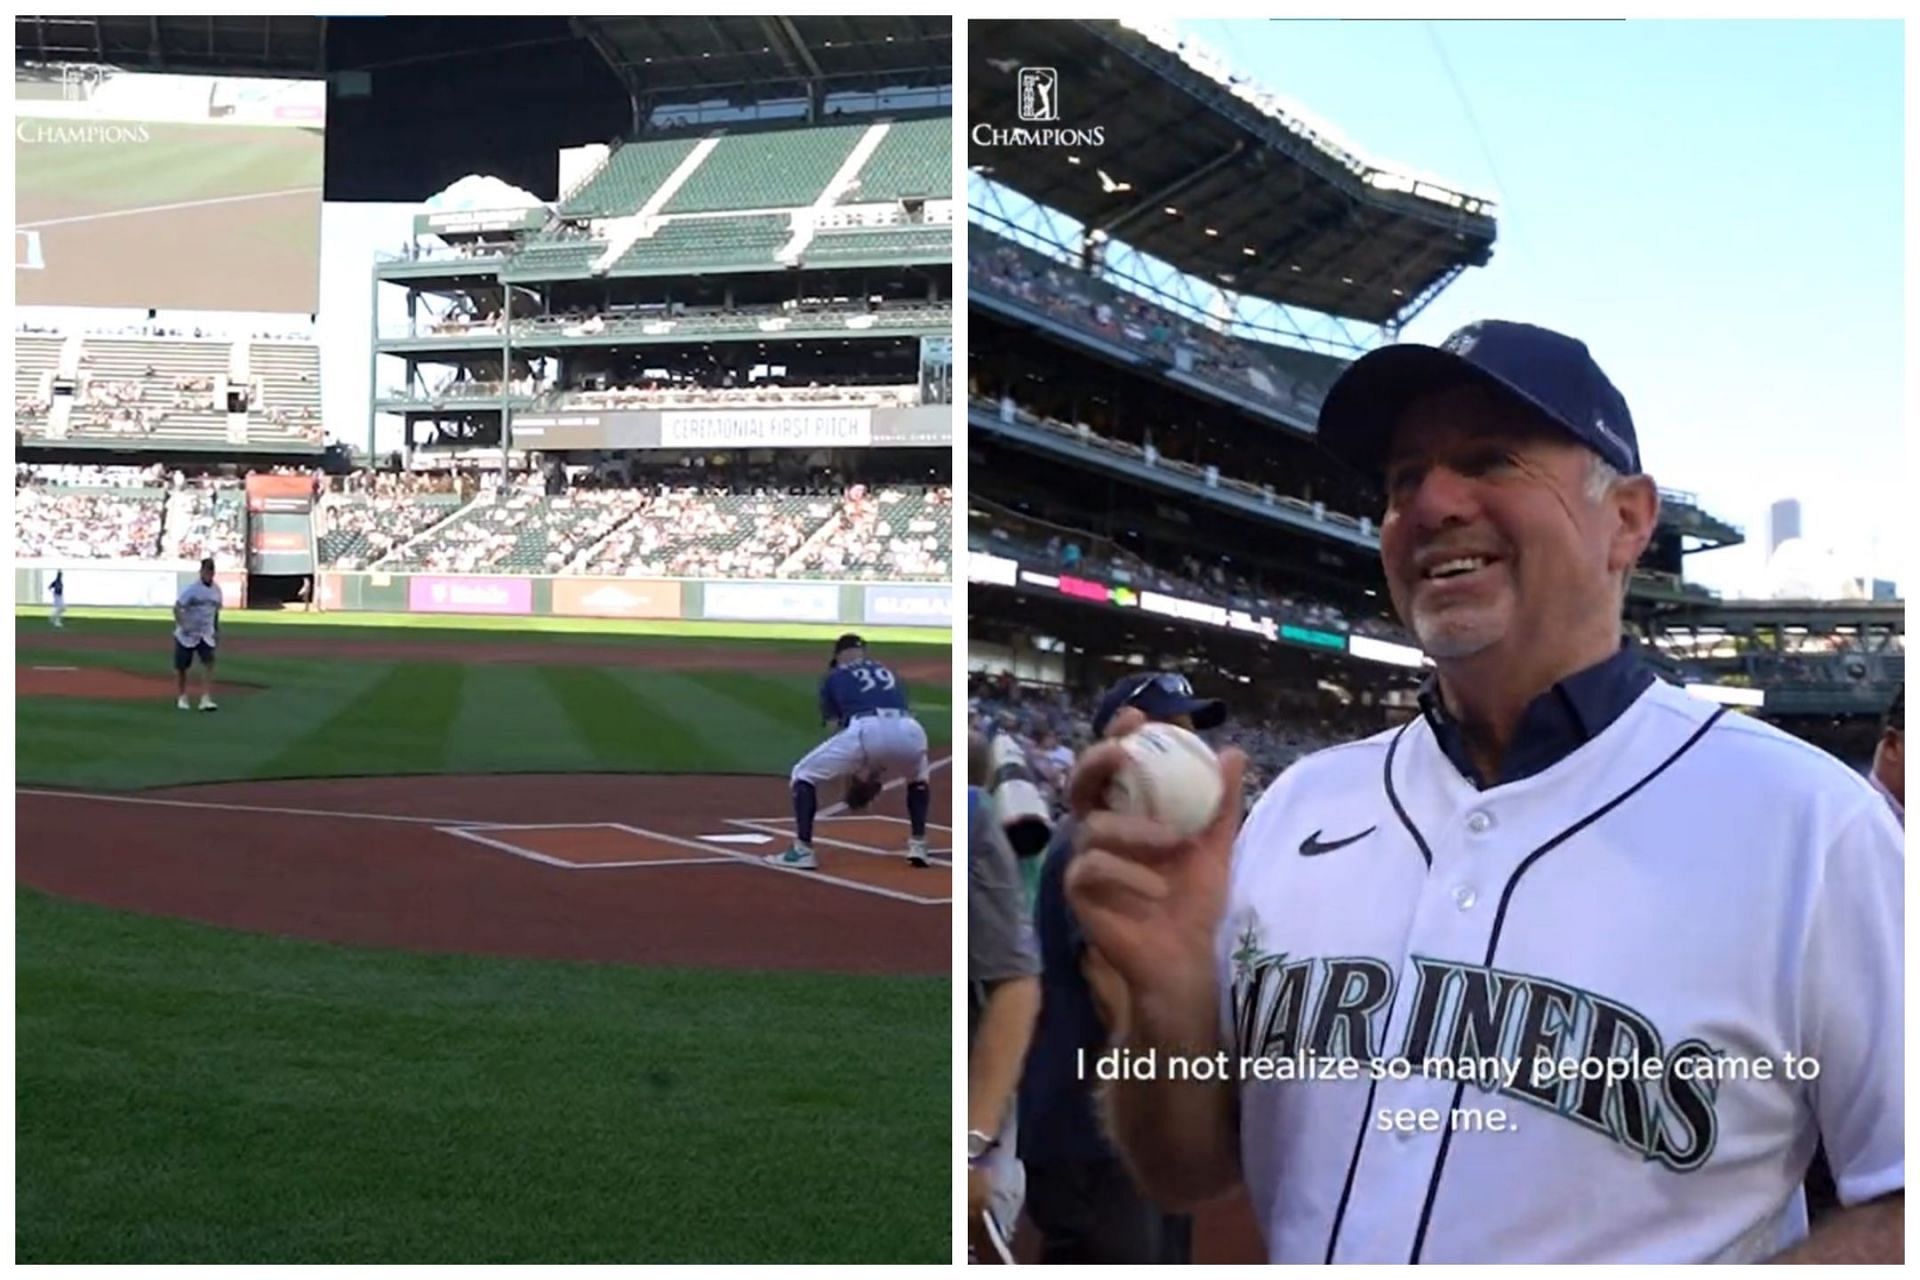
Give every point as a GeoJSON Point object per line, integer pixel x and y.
{"type": "Point", "coordinates": [60, 583]}
{"type": "Point", "coordinates": [860, 686]}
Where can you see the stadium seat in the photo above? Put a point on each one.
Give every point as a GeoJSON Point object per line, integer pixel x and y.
{"type": "Point", "coordinates": [776, 169]}
{"type": "Point", "coordinates": [631, 174]}
{"type": "Point", "coordinates": [703, 244]}
{"type": "Point", "coordinates": [915, 158]}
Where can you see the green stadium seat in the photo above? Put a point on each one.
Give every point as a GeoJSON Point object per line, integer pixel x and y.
{"type": "Point", "coordinates": [706, 244]}
{"type": "Point", "coordinates": [933, 241]}
{"type": "Point", "coordinates": [915, 158]}
{"type": "Point", "coordinates": [633, 172]}
{"type": "Point", "coordinates": [775, 169]}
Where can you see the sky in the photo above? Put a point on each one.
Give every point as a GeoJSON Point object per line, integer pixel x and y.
{"type": "Point", "coordinates": [1715, 208]}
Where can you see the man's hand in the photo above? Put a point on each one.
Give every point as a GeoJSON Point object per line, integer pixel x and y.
{"type": "Point", "coordinates": [1149, 901]}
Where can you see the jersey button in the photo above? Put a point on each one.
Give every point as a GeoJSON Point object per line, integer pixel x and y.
{"type": "Point", "coordinates": [1479, 822]}
{"type": "Point", "coordinates": [1465, 897]}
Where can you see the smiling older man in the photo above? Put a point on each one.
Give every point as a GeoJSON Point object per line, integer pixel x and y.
{"type": "Point", "coordinates": [1570, 966]}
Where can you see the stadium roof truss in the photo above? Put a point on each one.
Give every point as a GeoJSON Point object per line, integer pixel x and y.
{"type": "Point", "coordinates": [663, 59]}
{"type": "Point", "coordinates": [1205, 173]}
{"type": "Point", "coordinates": [1006, 212]}
{"type": "Point", "coordinates": [292, 45]}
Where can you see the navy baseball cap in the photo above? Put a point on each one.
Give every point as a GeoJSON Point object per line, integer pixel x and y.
{"type": "Point", "coordinates": [1162, 695]}
{"type": "Point", "coordinates": [1554, 374]}
{"type": "Point", "coordinates": [847, 641]}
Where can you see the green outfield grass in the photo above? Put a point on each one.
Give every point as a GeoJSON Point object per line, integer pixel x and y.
{"type": "Point", "coordinates": [164, 164]}
{"type": "Point", "coordinates": [191, 1094]}
{"type": "Point", "coordinates": [350, 716]}
{"type": "Point", "coordinates": [188, 1094]}
{"type": "Point", "coordinates": [454, 626]}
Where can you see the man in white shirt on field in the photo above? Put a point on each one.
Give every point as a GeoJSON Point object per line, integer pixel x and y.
{"type": "Point", "coordinates": [196, 631]}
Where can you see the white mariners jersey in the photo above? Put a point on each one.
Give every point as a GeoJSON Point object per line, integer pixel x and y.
{"type": "Point", "coordinates": [1686, 887]}
{"type": "Point", "coordinates": [200, 606]}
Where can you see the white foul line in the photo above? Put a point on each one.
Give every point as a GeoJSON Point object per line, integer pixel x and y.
{"type": "Point", "coordinates": [754, 859]}
{"type": "Point", "coordinates": [163, 208]}
{"type": "Point", "coordinates": [753, 824]}
{"type": "Point", "coordinates": [239, 808]}
{"type": "Point", "coordinates": [468, 833]}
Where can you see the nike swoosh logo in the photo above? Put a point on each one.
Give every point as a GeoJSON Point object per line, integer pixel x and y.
{"type": "Point", "coordinates": [1312, 847]}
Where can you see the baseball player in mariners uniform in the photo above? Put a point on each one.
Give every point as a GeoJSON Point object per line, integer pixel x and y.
{"type": "Point", "coordinates": [1561, 868]}
{"type": "Point", "coordinates": [877, 736]}
{"type": "Point", "coordinates": [196, 631]}
{"type": "Point", "coordinates": [59, 589]}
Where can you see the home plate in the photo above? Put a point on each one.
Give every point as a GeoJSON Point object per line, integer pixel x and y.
{"type": "Point", "coordinates": [738, 838]}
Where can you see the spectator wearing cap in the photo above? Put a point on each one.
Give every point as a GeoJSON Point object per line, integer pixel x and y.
{"type": "Point", "coordinates": [1079, 1194]}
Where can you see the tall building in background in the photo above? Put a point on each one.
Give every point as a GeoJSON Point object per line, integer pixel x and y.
{"type": "Point", "coordinates": [1783, 522]}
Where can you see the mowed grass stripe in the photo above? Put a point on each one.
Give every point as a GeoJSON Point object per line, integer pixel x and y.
{"type": "Point", "coordinates": [510, 721]}
{"type": "Point", "coordinates": [754, 723]}
{"type": "Point", "coordinates": [358, 1105]}
{"type": "Point", "coordinates": [630, 724]}
{"type": "Point", "coordinates": [148, 742]}
{"type": "Point", "coordinates": [398, 724]}
{"type": "Point", "coordinates": [795, 700]}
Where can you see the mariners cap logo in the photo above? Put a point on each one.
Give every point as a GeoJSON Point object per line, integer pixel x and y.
{"type": "Point", "coordinates": [1462, 341]}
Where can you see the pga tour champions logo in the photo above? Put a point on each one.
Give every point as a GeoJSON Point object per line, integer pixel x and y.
{"type": "Point", "coordinates": [1036, 102]}
{"type": "Point", "coordinates": [1039, 95]}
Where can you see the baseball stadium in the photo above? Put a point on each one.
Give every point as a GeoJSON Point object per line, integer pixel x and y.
{"type": "Point", "coordinates": [1164, 281]}
{"type": "Point", "coordinates": [570, 387]}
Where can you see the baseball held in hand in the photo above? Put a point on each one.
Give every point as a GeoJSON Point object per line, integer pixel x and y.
{"type": "Point", "coordinates": [1170, 775]}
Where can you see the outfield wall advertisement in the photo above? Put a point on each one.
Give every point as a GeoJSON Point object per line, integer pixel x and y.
{"type": "Point", "coordinates": [907, 606]}
{"type": "Point", "coordinates": [851, 604]}
{"type": "Point", "coordinates": [772, 601]}
{"type": "Point", "coordinates": [428, 593]}
{"type": "Point", "coordinates": [615, 598]}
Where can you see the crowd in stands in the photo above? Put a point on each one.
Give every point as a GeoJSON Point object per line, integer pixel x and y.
{"type": "Point", "coordinates": [1069, 551]}
{"type": "Point", "coordinates": [1054, 724]}
{"type": "Point", "coordinates": [702, 532]}
{"type": "Point", "coordinates": [74, 475]}
{"type": "Point", "coordinates": [354, 534]}
{"type": "Point", "coordinates": [884, 534]}
{"type": "Point", "coordinates": [51, 523]}
{"type": "Point", "coordinates": [792, 523]}
{"type": "Point", "coordinates": [1210, 475]}
{"type": "Point", "coordinates": [521, 529]}
{"type": "Point", "coordinates": [1127, 318]}
{"type": "Point", "coordinates": [203, 522]}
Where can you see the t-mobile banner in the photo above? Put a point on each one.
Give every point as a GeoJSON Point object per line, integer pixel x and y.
{"type": "Point", "coordinates": [427, 594]}
{"type": "Point", "coordinates": [908, 606]}
{"type": "Point", "coordinates": [771, 601]}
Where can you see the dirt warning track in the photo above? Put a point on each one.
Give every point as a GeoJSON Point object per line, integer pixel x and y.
{"type": "Point", "coordinates": [636, 869]}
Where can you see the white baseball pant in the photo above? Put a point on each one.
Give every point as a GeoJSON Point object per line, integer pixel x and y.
{"type": "Point", "coordinates": [872, 746]}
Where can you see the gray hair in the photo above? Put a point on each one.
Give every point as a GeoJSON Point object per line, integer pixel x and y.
{"type": "Point", "coordinates": [1601, 477]}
